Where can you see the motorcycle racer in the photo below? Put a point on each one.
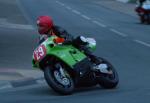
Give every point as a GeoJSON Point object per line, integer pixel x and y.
{"type": "Point", "coordinates": [46, 28]}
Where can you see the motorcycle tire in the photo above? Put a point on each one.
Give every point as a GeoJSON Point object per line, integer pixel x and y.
{"type": "Point", "coordinates": [55, 85]}
{"type": "Point", "coordinates": [108, 81]}
{"type": "Point", "coordinates": [142, 19]}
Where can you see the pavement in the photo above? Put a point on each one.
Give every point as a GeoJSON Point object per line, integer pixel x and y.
{"type": "Point", "coordinates": [14, 19]}
{"type": "Point", "coordinates": [12, 78]}
{"type": "Point", "coordinates": [13, 22]}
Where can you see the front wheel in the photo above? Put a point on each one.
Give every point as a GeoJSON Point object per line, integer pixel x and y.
{"type": "Point", "coordinates": [108, 80]}
{"type": "Point", "coordinates": [59, 79]}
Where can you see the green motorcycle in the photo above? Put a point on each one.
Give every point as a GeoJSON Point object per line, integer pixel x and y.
{"type": "Point", "coordinates": [65, 67]}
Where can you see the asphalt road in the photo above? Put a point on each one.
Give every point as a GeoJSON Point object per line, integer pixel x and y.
{"type": "Point", "coordinates": [16, 48]}
{"type": "Point", "coordinates": [17, 37]}
{"type": "Point", "coordinates": [120, 39]}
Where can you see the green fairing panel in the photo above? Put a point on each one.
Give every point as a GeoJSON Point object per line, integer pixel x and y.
{"type": "Point", "coordinates": [67, 54]}
{"type": "Point", "coordinates": [35, 64]}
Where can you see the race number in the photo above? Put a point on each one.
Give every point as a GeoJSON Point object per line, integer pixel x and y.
{"type": "Point", "coordinates": [39, 53]}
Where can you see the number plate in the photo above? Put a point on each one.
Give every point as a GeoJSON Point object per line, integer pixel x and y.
{"type": "Point", "coordinates": [39, 53]}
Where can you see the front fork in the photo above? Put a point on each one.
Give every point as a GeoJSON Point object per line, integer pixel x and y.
{"type": "Point", "coordinates": [59, 67]}
{"type": "Point", "coordinates": [61, 75]}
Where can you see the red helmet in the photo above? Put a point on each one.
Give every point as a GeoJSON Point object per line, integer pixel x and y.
{"type": "Point", "coordinates": [44, 23]}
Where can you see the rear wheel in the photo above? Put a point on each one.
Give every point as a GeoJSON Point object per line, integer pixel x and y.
{"type": "Point", "coordinates": [108, 80]}
{"type": "Point", "coordinates": [59, 79]}
{"type": "Point", "coordinates": [142, 19]}
{"type": "Point", "coordinates": [148, 22]}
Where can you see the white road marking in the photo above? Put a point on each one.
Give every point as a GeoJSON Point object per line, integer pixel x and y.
{"type": "Point", "coordinates": [99, 24]}
{"type": "Point", "coordinates": [119, 33]}
{"type": "Point", "coordinates": [76, 12]}
{"type": "Point", "coordinates": [82, 15]}
{"type": "Point", "coordinates": [16, 26]}
{"type": "Point", "coordinates": [60, 3]}
{"type": "Point", "coordinates": [5, 24]}
{"type": "Point", "coordinates": [85, 17]}
{"type": "Point", "coordinates": [143, 43]}
{"type": "Point", "coordinates": [69, 8]}
{"type": "Point", "coordinates": [57, 1]}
